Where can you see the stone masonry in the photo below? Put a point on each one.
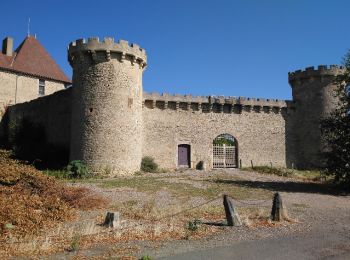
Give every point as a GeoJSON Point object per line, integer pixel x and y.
{"type": "Point", "coordinates": [107, 104]}
{"type": "Point", "coordinates": [113, 123]}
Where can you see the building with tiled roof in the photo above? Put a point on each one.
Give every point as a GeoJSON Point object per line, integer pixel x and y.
{"type": "Point", "coordinates": [28, 72]}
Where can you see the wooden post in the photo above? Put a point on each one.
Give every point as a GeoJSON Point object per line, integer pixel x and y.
{"type": "Point", "coordinates": [251, 162]}
{"type": "Point", "coordinates": [240, 163]}
{"type": "Point", "coordinates": [278, 212]}
{"type": "Point", "coordinates": [232, 217]}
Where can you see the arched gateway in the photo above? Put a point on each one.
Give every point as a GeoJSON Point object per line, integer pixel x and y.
{"type": "Point", "coordinates": [225, 151]}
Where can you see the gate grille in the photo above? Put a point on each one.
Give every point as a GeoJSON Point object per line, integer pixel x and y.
{"type": "Point", "coordinates": [224, 156]}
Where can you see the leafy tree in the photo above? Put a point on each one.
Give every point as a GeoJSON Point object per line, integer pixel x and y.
{"type": "Point", "coordinates": [336, 129]}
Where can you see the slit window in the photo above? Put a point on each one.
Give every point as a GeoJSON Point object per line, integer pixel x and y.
{"type": "Point", "coordinates": [41, 87]}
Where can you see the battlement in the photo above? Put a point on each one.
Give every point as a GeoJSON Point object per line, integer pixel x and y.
{"type": "Point", "coordinates": [321, 71]}
{"type": "Point", "coordinates": [108, 46]}
{"type": "Point", "coordinates": [199, 102]}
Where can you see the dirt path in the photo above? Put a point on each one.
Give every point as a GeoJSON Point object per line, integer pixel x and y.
{"type": "Point", "coordinates": [321, 228]}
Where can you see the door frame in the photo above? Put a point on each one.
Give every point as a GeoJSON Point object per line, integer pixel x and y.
{"type": "Point", "coordinates": [236, 153]}
{"type": "Point", "coordinates": [177, 154]}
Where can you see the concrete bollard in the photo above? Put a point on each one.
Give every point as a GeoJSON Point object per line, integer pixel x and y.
{"type": "Point", "coordinates": [112, 220]}
{"type": "Point", "coordinates": [232, 216]}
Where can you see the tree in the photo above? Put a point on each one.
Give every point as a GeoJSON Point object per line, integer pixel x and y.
{"type": "Point", "coordinates": [336, 129]}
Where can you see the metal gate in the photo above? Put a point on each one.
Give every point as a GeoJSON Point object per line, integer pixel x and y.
{"type": "Point", "coordinates": [224, 156]}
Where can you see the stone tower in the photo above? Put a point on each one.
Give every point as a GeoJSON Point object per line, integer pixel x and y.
{"type": "Point", "coordinates": [313, 96]}
{"type": "Point", "coordinates": [106, 122]}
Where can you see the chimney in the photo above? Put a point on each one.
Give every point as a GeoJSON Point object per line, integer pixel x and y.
{"type": "Point", "coordinates": [7, 46]}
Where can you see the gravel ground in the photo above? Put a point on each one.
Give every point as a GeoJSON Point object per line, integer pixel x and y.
{"type": "Point", "coordinates": [316, 211]}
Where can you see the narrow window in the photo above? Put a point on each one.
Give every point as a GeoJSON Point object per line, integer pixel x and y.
{"type": "Point", "coordinates": [41, 87]}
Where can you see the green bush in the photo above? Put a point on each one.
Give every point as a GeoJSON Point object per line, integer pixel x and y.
{"type": "Point", "coordinates": [77, 170]}
{"type": "Point", "coordinates": [148, 164]}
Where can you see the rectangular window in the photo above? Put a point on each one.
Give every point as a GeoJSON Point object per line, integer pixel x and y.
{"type": "Point", "coordinates": [41, 87]}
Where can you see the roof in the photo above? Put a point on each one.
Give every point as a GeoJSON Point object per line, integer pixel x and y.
{"type": "Point", "coordinates": [31, 58]}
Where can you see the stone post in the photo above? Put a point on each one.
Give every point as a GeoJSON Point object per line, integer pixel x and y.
{"type": "Point", "coordinates": [232, 216]}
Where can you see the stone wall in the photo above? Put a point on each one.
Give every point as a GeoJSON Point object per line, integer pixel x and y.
{"type": "Point", "coordinates": [107, 105]}
{"type": "Point", "coordinates": [53, 112]}
{"type": "Point", "coordinates": [313, 94]}
{"type": "Point", "coordinates": [277, 132]}
{"type": "Point", "coordinates": [15, 88]}
{"type": "Point", "coordinates": [257, 125]}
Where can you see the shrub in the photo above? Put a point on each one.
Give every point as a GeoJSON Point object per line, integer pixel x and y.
{"type": "Point", "coordinates": [77, 170]}
{"type": "Point", "coordinates": [200, 165]}
{"type": "Point", "coordinates": [148, 164]}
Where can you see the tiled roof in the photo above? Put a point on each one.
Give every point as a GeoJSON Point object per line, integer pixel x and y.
{"type": "Point", "coordinates": [31, 58]}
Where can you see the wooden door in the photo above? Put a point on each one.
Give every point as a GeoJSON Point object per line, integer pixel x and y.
{"type": "Point", "coordinates": [184, 155]}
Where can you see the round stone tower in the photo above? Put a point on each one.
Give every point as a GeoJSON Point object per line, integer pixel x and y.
{"type": "Point", "coordinates": [313, 96]}
{"type": "Point", "coordinates": [106, 124]}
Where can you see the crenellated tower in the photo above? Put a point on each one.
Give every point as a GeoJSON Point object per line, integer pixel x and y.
{"type": "Point", "coordinates": [313, 96]}
{"type": "Point", "coordinates": [106, 122]}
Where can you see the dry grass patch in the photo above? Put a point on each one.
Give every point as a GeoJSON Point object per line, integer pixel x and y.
{"type": "Point", "coordinates": [212, 187]}
{"type": "Point", "coordinates": [31, 201]}
{"type": "Point", "coordinates": [311, 175]}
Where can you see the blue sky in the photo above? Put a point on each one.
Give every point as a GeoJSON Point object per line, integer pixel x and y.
{"type": "Point", "coordinates": [199, 47]}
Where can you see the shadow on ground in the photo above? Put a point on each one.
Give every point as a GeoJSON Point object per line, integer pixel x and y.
{"type": "Point", "coordinates": [288, 186]}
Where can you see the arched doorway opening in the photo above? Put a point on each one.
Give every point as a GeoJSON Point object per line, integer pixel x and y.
{"type": "Point", "coordinates": [225, 151]}
{"type": "Point", "coordinates": [184, 155]}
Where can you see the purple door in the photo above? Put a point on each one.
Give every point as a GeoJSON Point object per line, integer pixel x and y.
{"type": "Point", "coordinates": [184, 155]}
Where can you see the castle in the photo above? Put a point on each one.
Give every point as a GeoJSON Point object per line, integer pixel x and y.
{"type": "Point", "coordinates": [108, 122]}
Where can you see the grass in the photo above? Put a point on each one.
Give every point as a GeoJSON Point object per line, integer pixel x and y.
{"type": "Point", "coordinates": [75, 244]}
{"type": "Point", "coordinates": [300, 205]}
{"type": "Point", "coordinates": [59, 174]}
{"type": "Point", "coordinates": [211, 187]}
{"type": "Point", "coordinates": [301, 174]}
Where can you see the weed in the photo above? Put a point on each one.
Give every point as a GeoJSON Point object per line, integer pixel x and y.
{"type": "Point", "coordinates": [74, 246]}
{"type": "Point", "coordinates": [193, 225]}
{"type": "Point", "coordinates": [146, 257]}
